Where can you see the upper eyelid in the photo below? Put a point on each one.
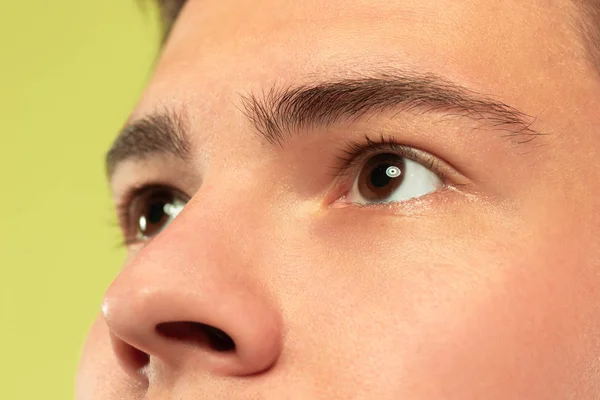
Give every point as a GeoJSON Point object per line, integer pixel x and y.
{"type": "Point", "coordinates": [357, 152]}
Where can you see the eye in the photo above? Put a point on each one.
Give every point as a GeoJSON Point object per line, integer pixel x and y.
{"type": "Point", "coordinates": [388, 177]}
{"type": "Point", "coordinates": [151, 210]}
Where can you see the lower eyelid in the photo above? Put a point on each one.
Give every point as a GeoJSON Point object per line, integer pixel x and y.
{"type": "Point", "coordinates": [416, 205]}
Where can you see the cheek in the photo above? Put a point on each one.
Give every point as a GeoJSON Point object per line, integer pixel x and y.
{"type": "Point", "coordinates": [426, 318]}
{"type": "Point", "coordinates": [99, 375]}
{"type": "Point", "coordinates": [514, 331]}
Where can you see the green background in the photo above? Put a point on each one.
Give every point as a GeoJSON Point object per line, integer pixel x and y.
{"type": "Point", "coordinates": [70, 72]}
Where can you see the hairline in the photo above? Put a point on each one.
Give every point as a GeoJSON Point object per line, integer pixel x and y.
{"type": "Point", "coordinates": [169, 12]}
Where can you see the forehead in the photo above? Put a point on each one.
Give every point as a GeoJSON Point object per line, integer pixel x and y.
{"type": "Point", "coordinates": [522, 52]}
{"type": "Point", "coordinates": [449, 25]}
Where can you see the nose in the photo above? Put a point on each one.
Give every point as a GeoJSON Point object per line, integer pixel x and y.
{"type": "Point", "coordinates": [189, 301]}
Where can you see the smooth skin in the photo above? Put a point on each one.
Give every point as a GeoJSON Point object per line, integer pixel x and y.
{"type": "Point", "coordinates": [486, 289]}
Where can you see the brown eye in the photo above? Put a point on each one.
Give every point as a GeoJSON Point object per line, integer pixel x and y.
{"type": "Point", "coordinates": [380, 177]}
{"type": "Point", "coordinates": [152, 210]}
{"type": "Point", "coordinates": [386, 178]}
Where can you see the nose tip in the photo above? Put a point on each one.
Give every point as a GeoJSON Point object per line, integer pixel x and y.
{"type": "Point", "coordinates": [219, 327]}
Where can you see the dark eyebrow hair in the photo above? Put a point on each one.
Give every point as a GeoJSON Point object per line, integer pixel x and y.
{"type": "Point", "coordinates": [278, 113]}
{"type": "Point", "coordinates": [162, 132]}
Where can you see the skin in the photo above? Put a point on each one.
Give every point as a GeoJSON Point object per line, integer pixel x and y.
{"type": "Point", "coordinates": [489, 289]}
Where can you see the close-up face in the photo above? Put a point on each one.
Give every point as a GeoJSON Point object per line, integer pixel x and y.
{"type": "Point", "coordinates": [358, 199]}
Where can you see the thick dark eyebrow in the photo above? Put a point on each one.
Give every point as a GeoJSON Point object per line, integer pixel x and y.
{"type": "Point", "coordinates": [165, 132]}
{"type": "Point", "coordinates": [278, 113]}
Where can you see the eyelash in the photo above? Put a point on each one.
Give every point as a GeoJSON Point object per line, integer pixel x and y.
{"type": "Point", "coordinates": [355, 154]}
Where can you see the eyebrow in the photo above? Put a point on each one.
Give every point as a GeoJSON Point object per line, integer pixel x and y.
{"type": "Point", "coordinates": [280, 112]}
{"type": "Point", "coordinates": [165, 132]}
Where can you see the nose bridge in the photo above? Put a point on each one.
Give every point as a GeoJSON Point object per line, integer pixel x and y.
{"type": "Point", "coordinates": [192, 286]}
{"type": "Point", "coordinates": [230, 203]}
{"type": "Point", "coordinates": [207, 227]}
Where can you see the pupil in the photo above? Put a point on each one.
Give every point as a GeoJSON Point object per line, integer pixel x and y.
{"type": "Point", "coordinates": [155, 213]}
{"type": "Point", "coordinates": [380, 177]}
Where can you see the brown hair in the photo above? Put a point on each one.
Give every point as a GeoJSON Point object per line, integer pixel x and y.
{"type": "Point", "coordinates": [169, 10]}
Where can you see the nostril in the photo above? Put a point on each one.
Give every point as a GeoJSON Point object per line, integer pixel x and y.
{"type": "Point", "coordinates": [197, 333]}
{"type": "Point", "coordinates": [219, 340]}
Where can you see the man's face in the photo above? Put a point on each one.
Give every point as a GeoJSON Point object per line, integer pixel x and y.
{"type": "Point", "coordinates": [385, 200]}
